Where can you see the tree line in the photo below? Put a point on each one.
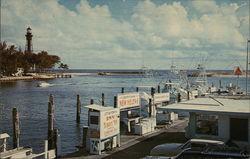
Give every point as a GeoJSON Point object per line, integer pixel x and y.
{"type": "Point", "coordinates": [12, 58]}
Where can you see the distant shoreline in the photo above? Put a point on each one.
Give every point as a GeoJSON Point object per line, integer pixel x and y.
{"type": "Point", "coordinates": [35, 76]}
{"type": "Point", "coordinates": [220, 74]}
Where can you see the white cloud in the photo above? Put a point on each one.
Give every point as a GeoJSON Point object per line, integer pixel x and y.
{"type": "Point", "coordinates": [92, 33]}
{"type": "Point", "coordinates": [206, 6]}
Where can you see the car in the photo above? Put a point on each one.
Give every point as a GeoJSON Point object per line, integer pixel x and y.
{"type": "Point", "coordinates": [174, 150]}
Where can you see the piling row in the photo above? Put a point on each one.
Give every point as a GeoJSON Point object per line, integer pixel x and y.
{"type": "Point", "coordinates": [53, 133]}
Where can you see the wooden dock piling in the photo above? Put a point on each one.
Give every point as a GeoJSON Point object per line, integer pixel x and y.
{"type": "Point", "coordinates": [102, 99]}
{"type": "Point", "coordinates": [91, 101]}
{"type": "Point", "coordinates": [51, 99]}
{"type": "Point", "coordinates": [51, 120]}
{"type": "Point", "coordinates": [122, 91]}
{"type": "Point", "coordinates": [150, 107]}
{"type": "Point", "coordinates": [16, 128]}
{"type": "Point", "coordinates": [152, 91]}
{"type": "Point", "coordinates": [78, 109]}
{"type": "Point", "coordinates": [178, 97]}
{"type": "Point", "coordinates": [159, 89]}
{"type": "Point", "coordinates": [84, 138]}
{"type": "Point", "coordinates": [115, 101]}
{"type": "Point", "coordinates": [56, 142]}
{"type": "Point", "coordinates": [137, 89]}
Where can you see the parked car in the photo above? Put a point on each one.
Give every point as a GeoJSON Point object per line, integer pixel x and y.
{"type": "Point", "coordinates": [197, 148]}
{"type": "Point", "coordinates": [175, 149]}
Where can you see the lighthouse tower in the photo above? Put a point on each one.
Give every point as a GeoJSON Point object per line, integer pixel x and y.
{"type": "Point", "coordinates": [29, 47]}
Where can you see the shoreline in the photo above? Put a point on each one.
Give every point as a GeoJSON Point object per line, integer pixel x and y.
{"type": "Point", "coordinates": [41, 76]}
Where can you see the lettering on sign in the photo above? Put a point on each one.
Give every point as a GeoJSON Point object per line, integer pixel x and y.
{"type": "Point", "coordinates": [161, 97]}
{"type": "Point", "coordinates": [110, 123]}
{"type": "Point", "coordinates": [128, 100]}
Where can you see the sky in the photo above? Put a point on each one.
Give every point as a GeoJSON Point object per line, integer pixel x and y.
{"type": "Point", "coordinates": [129, 34]}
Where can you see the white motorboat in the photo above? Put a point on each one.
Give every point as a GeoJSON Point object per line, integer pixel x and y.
{"type": "Point", "coordinates": [43, 84]}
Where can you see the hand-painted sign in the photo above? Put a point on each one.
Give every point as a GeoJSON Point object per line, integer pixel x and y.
{"type": "Point", "coordinates": [110, 123]}
{"type": "Point", "coordinates": [128, 100]}
{"type": "Point", "coordinates": [161, 97]}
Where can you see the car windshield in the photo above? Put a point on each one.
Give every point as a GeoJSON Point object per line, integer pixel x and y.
{"type": "Point", "coordinates": [185, 145]}
{"type": "Point", "coordinates": [193, 145]}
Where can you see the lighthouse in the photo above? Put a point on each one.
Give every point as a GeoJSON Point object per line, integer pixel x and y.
{"type": "Point", "coordinates": [29, 47]}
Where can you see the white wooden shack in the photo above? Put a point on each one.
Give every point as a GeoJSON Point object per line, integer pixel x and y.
{"type": "Point", "coordinates": [104, 128]}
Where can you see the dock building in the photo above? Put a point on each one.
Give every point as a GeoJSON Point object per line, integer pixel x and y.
{"type": "Point", "coordinates": [216, 118]}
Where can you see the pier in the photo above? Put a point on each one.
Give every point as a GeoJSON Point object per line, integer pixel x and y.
{"type": "Point", "coordinates": [134, 146]}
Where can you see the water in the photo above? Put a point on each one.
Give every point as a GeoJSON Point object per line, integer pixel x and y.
{"type": "Point", "coordinates": [32, 103]}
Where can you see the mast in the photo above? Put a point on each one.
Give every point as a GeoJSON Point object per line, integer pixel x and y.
{"type": "Point", "coordinates": [247, 63]}
{"type": "Point", "coordinates": [248, 40]}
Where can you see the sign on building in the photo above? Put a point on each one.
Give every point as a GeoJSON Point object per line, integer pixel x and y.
{"type": "Point", "coordinates": [104, 122]}
{"type": "Point", "coordinates": [128, 100]}
{"type": "Point", "coordinates": [104, 128]}
{"type": "Point", "coordinates": [161, 97]}
{"type": "Point", "coordinates": [110, 123]}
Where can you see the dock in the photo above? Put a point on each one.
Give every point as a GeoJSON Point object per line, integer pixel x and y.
{"type": "Point", "coordinates": [135, 146]}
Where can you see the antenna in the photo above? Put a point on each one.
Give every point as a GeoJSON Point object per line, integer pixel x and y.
{"type": "Point", "coordinates": [216, 100]}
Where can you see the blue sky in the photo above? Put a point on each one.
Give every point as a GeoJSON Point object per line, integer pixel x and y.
{"type": "Point", "coordinates": [124, 34]}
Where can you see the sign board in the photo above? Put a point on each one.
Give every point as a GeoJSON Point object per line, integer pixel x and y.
{"type": "Point", "coordinates": [110, 123]}
{"type": "Point", "coordinates": [128, 100]}
{"type": "Point", "coordinates": [161, 97]}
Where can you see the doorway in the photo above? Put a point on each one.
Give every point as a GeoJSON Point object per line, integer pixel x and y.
{"type": "Point", "coordinates": [239, 129]}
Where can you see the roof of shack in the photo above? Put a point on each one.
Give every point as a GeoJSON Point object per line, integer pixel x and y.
{"type": "Point", "coordinates": [211, 106]}
{"type": "Point", "coordinates": [100, 107]}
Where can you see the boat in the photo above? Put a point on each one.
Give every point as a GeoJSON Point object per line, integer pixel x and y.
{"type": "Point", "coordinates": [44, 84]}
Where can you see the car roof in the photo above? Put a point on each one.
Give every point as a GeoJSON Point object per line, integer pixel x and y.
{"type": "Point", "coordinates": [207, 141]}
